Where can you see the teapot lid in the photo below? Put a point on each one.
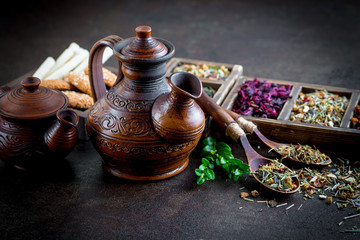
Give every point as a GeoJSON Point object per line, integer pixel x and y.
{"type": "Point", "coordinates": [30, 101]}
{"type": "Point", "coordinates": [144, 46]}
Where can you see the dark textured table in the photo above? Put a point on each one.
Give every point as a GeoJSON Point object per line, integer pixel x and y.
{"type": "Point", "coordinates": [303, 41]}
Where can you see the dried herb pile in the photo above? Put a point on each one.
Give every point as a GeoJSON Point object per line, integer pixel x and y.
{"type": "Point", "coordinates": [204, 71]}
{"type": "Point", "coordinates": [319, 107]}
{"type": "Point", "coordinates": [277, 176]}
{"type": "Point", "coordinates": [339, 180]}
{"type": "Point", "coordinates": [302, 153]}
{"type": "Point", "coordinates": [355, 120]}
{"type": "Point", "coordinates": [262, 99]}
{"type": "Point", "coordinates": [210, 91]}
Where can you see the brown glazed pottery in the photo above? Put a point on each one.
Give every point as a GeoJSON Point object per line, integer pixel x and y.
{"type": "Point", "coordinates": [175, 115]}
{"type": "Point", "coordinates": [35, 124]}
{"type": "Point", "coordinates": [120, 122]}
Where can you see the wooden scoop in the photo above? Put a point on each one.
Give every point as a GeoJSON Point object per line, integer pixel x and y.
{"type": "Point", "coordinates": [232, 129]}
{"type": "Point", "coordinates": [250, 127]}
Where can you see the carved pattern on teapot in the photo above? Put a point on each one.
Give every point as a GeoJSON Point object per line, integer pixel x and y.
{"type": "Point", "coordinates": [13, 128]}
{"type": "Point", "coordinates": [127, 104]}
{"type": "Point", "coordinates": [19, 147]}
{"type": "Point", "coordinates": [121, 125]}
{"type": "Point", "coordinates": [161, 149]}
{"type": "Point", "coordinates": [6, 140]}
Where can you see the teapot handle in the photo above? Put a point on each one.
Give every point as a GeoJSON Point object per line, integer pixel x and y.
{"type": "Point", "coordinates": [95, 65]}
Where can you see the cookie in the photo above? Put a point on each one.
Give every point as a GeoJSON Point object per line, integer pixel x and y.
{"type": "Point", "coordinates": [109, 77]}
{"type": "Point", "coordinates": [79, 100]}
{"type": "Point", "coordinates": [58, 84]}
{"type": "Point", "coordinates": [80, 81]}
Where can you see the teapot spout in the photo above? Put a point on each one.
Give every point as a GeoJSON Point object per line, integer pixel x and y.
{"type": "Point", "coordinates": [62, 136]}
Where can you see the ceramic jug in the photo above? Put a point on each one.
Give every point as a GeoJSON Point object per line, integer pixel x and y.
{"type": "Point", "coordinates": [120, 123]}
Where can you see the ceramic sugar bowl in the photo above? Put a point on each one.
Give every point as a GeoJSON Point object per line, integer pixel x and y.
{"type": "Point", "coordinates": [35, 124]}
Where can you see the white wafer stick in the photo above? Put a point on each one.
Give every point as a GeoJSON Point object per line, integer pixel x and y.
{"type": "Point", "coordinates": [81, 67]}
{"type": "Point", "coordinates": [44, 68]}
{"type": "Point", "coordinates": [81, 54]}
{"type": "Point", "coordinates": [108, 52]}
{"type": "Point", "coordinates": [65, 56]}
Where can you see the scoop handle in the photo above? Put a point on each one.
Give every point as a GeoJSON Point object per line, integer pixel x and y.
{"type": "Point", "coordinates": [221, 117]}
{"type": "Point", "coordinates": [208, 105]}
{"type": "Point", "coordinates": [96, 77]}
{"type": "Point", "coordinates": [250, 127]}
{"type": "Point", "coordinates": [224, 119]}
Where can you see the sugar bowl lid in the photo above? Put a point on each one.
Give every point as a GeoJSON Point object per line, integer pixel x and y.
{"type": "Point", "coordinates": [29, 100]}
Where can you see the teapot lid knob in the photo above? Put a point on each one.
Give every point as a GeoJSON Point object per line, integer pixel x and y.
{"type": "Point", "coordinates": [30, 84]}
{"type": "Point", "coordinates": [144, 46]}
{"type": "Point", "coordinates": [143, 32]}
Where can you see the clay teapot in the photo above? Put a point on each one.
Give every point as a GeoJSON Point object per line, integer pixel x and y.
{"type": "Point", "coordinates": [35, 124]}
{"type": "Point", "coordinates": [136, 138]}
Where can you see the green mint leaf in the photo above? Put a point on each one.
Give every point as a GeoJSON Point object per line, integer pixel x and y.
{"type": "Point", "coordinates": [227, 156]}
{"type": "Point", "coordinates": [222, 160]}
{"type": "Point", "coordinates": [240, 164]}
{"type": "Point", "coordinates": [209, 174]}
{"type": "Point", "coordinates": [208, 141]}
{"type": "Point", "coordinates": [210, 158]}
{"type": "Point", "coordinates": [223, 149]}
{"type": "Point", "coordinates": [217, 162]}
{"type": "Point", "coordinates": [226, 167]}
{"type": "Point", "coordinates": [212, 174]}
{"type": "Point", "coordinates": [205, 162]}
{"type": "Point", "coordinates": [200, 180]}
{"type": "Point", "coordinates": [198, 172]}
{"type": "Point", "coordinates": [236, 172]}
{"type": "Point", "coordinates": [208, 150]}
{"type": "Point", "coordinates": [236, 178]}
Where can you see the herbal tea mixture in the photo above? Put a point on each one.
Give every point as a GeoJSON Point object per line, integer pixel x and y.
{"type": "Point", "coordinates": [204, 71]}
{"type": "Point", "coordinates": [301, 153]}
{"type": "Point", "coordinates": [277, 176]}
{"type": "Point", "coordinates": [319, 107]}
{"type": "Point", "coordinates": [340, 180]}
{"type": "Point", "coordinates": [259, 98]}
{"type": "Point", "coordinates": [355, 120]}
{"type": "Point", "coordinates": [210, 91]}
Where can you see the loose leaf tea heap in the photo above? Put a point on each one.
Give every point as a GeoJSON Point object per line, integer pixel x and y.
{"type": "Point", "coordinates": [209, 91]}
{"type": "Point", "coordinates": [302, 153]}
{"type": "Point", "coordinates": [261, 99]}
{"type": "Point", "coordinates": [277, 176]}
{"type": "Point", "coordinates": [340, 180]}
{"type": "Point", "coordinates": [319, 107]}
{"type": "Point", "coordinates": [204, 71]}
{"type": "Point", "coordinates": [355, 120]}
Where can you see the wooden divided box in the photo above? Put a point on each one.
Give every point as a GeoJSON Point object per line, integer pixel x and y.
{"type": "Point", "coordinates": [340, 140]}
{"type": "Point", "coordinates": [220, 86]}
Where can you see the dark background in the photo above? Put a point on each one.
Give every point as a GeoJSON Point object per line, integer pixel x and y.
{"type": "Point", "coordinates": [303, 41]}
